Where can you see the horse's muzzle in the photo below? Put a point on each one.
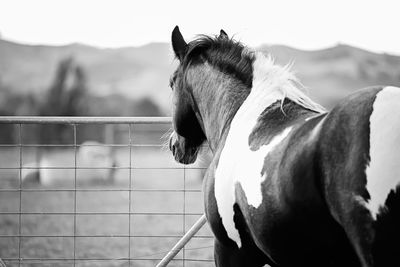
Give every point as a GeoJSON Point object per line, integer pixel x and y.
{"type": "Point", "coordinates": [181, 149]}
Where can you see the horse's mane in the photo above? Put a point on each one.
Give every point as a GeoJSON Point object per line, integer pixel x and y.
{"type": "Point", "coordinates": [226, 55]}
{"type": "Point", "coordinates": [235, 59]}
{"type": "Point", "coordinates": [274, 77]}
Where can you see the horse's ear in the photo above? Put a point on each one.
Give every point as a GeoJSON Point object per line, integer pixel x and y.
{"type": "Point", "coordinates": [178, 43]}
{"type": "Point", "coordinates": [223, 34]}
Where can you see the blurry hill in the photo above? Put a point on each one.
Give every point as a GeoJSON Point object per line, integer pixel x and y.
{"type": "Point", "coordinates": [334, 72]}
{"type": "Point", "coordinates": [143, 72]}
{"type": "Point", "coordinates": [133, 72]}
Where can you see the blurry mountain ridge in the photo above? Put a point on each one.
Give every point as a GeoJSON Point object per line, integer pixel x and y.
{"type": "Point", "coordinates": [143, 72]}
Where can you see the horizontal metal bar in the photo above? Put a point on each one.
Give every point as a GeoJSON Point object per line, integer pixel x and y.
{"type": "Point", "coordinates": [82, 120]}
{"type": "Point", "coordinates": [101, 190]}
{"type": "Point", "coordinates": [73, 146]}
{"type": "Point", "coordinates": [101, 236]}
{"type": "Point", "coordinates": [99, 213]}
{"type": "Point", "coordinates": [102, 168]}
{"type": "Point", "coordinates": [98, 259]}
{"type": "Point", "coordinates": [65, 168]}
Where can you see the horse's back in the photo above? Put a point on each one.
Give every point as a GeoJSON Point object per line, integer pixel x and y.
{"type": "Point", "coordinates": [284, 211]}
{"type": "Point", "coordinates": [323, 187]}
{"type": "Point", "coordinates": [293, 216]}
{"type": "Point", "coordinates": [361, 171]}
{"type": "Point", "coordinates": [315, 205]}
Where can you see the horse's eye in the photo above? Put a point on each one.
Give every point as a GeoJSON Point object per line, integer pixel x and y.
{"type": "Point", "coordinates": [172, 80]}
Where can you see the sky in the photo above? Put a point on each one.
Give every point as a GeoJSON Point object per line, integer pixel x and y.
{"type": "Point", "coordinates": [305, 24]}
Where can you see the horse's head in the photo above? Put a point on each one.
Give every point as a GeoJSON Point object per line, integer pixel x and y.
{"type": "Point", "coordinates": [188, 133]}
{"type": "Point", "coordinates": [213, 77]}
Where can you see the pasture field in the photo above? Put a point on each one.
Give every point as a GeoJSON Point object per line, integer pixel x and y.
{"type": "Point", "coordinates": [152, 168]}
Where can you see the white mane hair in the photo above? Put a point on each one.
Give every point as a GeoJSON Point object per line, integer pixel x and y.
{"type": "Point", "coordinates": [279, 78]}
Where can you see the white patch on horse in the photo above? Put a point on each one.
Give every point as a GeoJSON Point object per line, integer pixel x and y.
{"type": "Point", "coordinates": [383, 171]}
{"type": "Point", "coordinates": [237, 162]}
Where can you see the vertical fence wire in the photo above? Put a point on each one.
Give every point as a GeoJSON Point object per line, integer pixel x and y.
{"type": "Point", "coordinates": [130, 193]}
{"type": "Point", "coordinates": [20, 194]}
{"type": "Point", "coordinates": [75, 180]}
{"type": "Point", "coordinates": [184, 213]}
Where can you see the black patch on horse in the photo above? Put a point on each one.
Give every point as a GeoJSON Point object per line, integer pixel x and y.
{"type": "Point", "coordinates": [387, 231]}
{"type": "Point", "coordinates": [274, 119]}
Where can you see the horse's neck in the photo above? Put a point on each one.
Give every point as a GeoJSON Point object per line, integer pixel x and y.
{"type": "Point", "coordinates": [232, 106]}
{"type": "Point", "coordinates": [224, 103]}
{"type": "Point", "coordinates": [218, 112]}
{"type": "Point", "coordinates": [217, 103]}
{"type": "Point", "coordinates": [258, 118]}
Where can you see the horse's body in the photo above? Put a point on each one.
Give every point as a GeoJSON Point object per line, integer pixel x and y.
{"type": "Point", "coordinates": [289, 184]}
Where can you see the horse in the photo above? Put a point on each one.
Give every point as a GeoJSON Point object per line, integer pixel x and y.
{"type": "Point", "coordinates": [290, 184]}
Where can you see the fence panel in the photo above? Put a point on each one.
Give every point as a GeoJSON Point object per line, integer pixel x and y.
{"type": "Point", "coordinates": [117, 200]}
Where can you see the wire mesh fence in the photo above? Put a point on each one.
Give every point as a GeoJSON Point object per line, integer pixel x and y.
{"type": "Point", "coordinates": [118, 200]}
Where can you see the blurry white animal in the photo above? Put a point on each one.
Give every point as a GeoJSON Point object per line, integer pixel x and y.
{"type": "Point", "coordinates": [97, 162]}
{"type": "Point", "coordinates": [94, 162]}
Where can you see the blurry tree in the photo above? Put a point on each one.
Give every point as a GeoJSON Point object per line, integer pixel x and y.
{"type": "Point", "coordinates": [9, 102]}
{"type": "Point", "coordinates": [145, 107]}
{"type": "Point", "coordinates": [28, 106]}
{"type": "Point", "coordinates": [66, 97]}
{"type": "Point", "coordinates": [7, 131]}
{"type": "Point", "coordinates": [76, 98]}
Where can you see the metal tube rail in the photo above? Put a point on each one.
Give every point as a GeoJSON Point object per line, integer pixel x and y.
{"type": "Point", "coordinates": [67, 260]}
{"type": "Point", "coordinates": [100, 213]}
{"type": "Point", "coordinates": [182, 242]}
{"type": "Point", "coordinates": [110, 235]}
{"type": "Point", "coordinates": [83, 120]}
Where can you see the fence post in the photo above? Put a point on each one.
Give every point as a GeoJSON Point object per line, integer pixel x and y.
{"type": "Point", "coordinates": [182, 242]}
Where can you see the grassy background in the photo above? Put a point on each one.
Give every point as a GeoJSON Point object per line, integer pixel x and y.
{"type": "Point", "coordinates": [153, 168]}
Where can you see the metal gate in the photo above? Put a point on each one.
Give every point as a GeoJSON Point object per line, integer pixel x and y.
{"type": "Point", "coordinates": [52, 214]}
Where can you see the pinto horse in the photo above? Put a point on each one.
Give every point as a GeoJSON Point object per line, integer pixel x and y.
{"type": "Point", "coordinates": [289, 184]}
